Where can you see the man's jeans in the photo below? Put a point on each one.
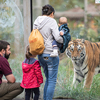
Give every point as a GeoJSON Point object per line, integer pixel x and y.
{"type": "Point", "coordinates": [50, 67]}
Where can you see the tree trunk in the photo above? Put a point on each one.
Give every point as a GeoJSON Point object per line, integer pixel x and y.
{"type": "Point", "coordinates": [45, 2]}
{"type": "Point", "coordinates": [85, 14]}
{"type": "Point", "coordinates": [27, 22]}
{"type": "Point", "coordinates": [37, 6]}
{"type": "Point", "coordinates": [17, 33]}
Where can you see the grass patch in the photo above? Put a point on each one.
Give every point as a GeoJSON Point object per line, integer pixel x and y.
{"type": "Point", "coordinates": [64, 81]}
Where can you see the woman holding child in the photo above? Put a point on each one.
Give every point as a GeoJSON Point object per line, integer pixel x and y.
{"type": "Point", "coordinates": [48, 27]}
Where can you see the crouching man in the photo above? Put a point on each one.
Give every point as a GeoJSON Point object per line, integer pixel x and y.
{"type": "Point", "coordinates": [9, 89]}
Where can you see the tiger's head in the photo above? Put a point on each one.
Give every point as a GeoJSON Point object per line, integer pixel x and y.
{"type": "Point", "coordinates": [76, 50]}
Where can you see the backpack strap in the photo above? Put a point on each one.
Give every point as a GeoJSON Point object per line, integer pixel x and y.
{"type": "Point", "coordinates": [45, 21]}
{"type": "Point", "coordinates": [47, 39]}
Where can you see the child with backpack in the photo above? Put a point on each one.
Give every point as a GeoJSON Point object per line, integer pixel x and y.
{"type": "Point", "coordinates": [32, 75]}
{"type": "Point", "coordinates": [64, 32]}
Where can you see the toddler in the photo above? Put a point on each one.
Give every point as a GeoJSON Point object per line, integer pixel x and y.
{"type": "Point", "coordinates": [64, 32]}
{"type": "Point", "coordinates": [32, 76]}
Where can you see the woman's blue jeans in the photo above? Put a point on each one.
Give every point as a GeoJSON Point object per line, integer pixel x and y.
{"type": "Point", "coordinates": [50, 67]}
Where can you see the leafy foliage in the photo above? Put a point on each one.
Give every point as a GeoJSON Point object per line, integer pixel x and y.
{"type": "Point", "coordinates": [97, 23]}
{"type": "Point", "coordinates": [62, 5]}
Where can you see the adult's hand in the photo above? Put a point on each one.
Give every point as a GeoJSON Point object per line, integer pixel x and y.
{"type": "Point", "coordinates": [4, 81]}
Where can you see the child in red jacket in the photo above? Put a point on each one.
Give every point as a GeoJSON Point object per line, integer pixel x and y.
{"type": "Point", "coordinates": [32, 76]}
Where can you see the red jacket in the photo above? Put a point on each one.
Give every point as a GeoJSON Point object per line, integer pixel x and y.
{"type": "Point", "coordinates": [32, 76]}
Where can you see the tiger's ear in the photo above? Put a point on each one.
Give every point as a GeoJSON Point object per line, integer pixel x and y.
{"type": "Point", "coordinates": [70, 42]}
{"type": "Point", "coordinates": [82, 40]}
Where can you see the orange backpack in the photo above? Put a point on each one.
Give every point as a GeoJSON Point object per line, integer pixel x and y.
{"type": "Point", "coordinates": [36, 42]}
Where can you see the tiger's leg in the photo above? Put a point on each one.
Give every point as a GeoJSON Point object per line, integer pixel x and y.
{"type": "Point", "coordinates": [78, 77]}
{"type": "Point", "coordinates": [88, 80]}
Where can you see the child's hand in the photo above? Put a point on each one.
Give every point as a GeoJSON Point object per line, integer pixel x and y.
{"type": "Point", "coordinates": [40, 83]}
{"type": "Point", "coordinates": [61, 33]}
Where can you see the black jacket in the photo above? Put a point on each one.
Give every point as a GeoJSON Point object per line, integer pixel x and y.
{"type": "Point", "coordinates": [66, 37]}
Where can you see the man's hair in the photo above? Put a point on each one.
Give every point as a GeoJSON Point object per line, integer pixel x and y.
{"type": "Point", "coordinates": [3, 44]}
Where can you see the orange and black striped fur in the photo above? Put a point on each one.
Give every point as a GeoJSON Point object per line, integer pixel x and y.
{"type": "Point", "coordinates": [85, 56]}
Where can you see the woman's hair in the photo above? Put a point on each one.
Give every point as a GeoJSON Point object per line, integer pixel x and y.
{"type": "Point", "coordinates": [47, 10]}
{"type": "Point", "coordinates": [28, 54]}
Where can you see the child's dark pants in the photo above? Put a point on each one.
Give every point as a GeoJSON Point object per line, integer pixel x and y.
{"type": "Point", "coordinates": [29, 91]}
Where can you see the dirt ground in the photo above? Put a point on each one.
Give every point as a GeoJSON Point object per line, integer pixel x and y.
{"type": "Point", "coordinates": [21, 97]}
{"type": "Point", "coordinates": [42, 99]}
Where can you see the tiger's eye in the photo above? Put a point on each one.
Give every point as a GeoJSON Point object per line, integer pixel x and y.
{"type": "Point", "coordinates": [71, 49]}
{"type": "Point", "coordinates": [79, 47]}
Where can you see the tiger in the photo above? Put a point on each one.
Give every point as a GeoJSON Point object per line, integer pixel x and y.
{"type": "Point", "coordinates": [85, 57]}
